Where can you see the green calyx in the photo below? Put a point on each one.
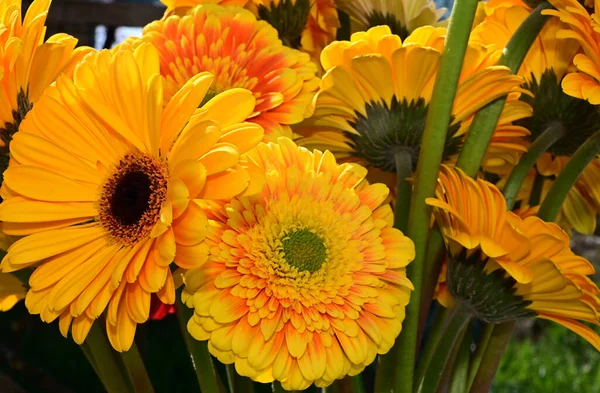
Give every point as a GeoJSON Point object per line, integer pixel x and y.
{"type": "Point", "coordinates": [489, 297]}
{"type": "Point", "coordinates": [378, 18]}
{"type": "Point", "coordinates": [289, 18]}
{"type": "Point", "coordinates": [210, 94]}
{"type": "Point", "coordinates": [23, 107]}
{"type": "Point", "coordinates": [385, 131]}
{"type": "Point", "coordinates": [304, 250]}
{"type": "Point", "coordinates": [551, 105]}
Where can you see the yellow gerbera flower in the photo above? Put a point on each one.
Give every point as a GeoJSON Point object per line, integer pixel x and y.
{"type": "Point", "coordinates": [502, 267]}
{"type": "Point", "coordinates": [181, 7]}
{"type": "Point", "coordinates": [305, 282]}
{"type": "Point", "coordinates": [241, 52]}
{"type": "Point", "coordinates": [104, 185]}
{"type": "Point", "coordinates": [28, 64]}
{"type": "Point", "coordinates": [373, 100]}
{"type": "Point", "coordinates": [401, 16]}
{"type": "Point", "coordinates": [544, 69]}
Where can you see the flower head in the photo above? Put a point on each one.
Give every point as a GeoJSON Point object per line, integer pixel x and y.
{"type": "Point", "coordinates": [181, 7]}
{"type": "Point", "coordinates": [11, 291]}
{"type": "Point", "coordinates": [28, 64]}
{"type": "Point", "coordinates": [306, 281]}
{"type": "Point", "coordinates": [502, 267]}
{"type": "Point", "coordinates": [545, 69]}
{"type": "Point", "coordinates": [374, 97]}
{"type": "Point", "coordinates": [242, 53]}
{"type": "Point", "coordinates": [401, 16]}
{"type": "Point", "coordinates": [104, 185]}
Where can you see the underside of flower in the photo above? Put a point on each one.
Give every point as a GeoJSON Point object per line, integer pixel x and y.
{"type": "Point", "coordinates": [377, 18]}
{"type": "Point", "coordinates": [289, 18]}
{"type": "Point", "coordinates": [10, 128]}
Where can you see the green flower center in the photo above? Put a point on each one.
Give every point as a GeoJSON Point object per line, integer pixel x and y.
{"type": "Point", "coordinates": [489, 297]}
{"type": "Point", "coordinates": [304, 250]}
{"type": "Point", "coordinates": [378, 18]}
{"type": "Point", "coordinates": [384, 131]}
{"type": "Point", "coordinates": [289, 18]}
{"type": "Point", "coordinates": [550, 105]}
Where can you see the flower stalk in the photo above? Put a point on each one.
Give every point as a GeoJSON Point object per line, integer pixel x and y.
{"type": "Point", "coordinates": [428, 165]}
{"type": "Point", "coordinates": [134, 365]}
{"type": "Point", "coordinates": [433, 339]}
{"type": "Point", "coordinates": [553, 133]}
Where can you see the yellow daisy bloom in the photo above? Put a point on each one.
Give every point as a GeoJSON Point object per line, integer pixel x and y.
{"type": "Point", "coordinates": [544, 69]}
{"type": "Point", "coordinates": [305, 282]}
{"type": "Point", "coordinates": [28, 64]}
{"type": "Point", "coordinates": [181, 7]}
{"type": "Point", "coordinates": [307, 25]}
{"type": "Point", "coordinates": [242, 53]}
{"type": "Point", "coordinates": [502, 267]}
{"type": "Point", "coordinates": [373, 99]}
{"type": "Point", "coordinates": [104, 187]}
{"type": "Point", "coordinates": [401, 16]}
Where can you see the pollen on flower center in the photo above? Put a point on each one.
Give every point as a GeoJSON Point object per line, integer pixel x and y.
{"type": "Point", "coordinates": [304, 250]}
{"type": "Point", "coordinates": [132, 198]}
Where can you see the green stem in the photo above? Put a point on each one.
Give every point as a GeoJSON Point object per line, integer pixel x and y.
{"type": "Point", "coordinates": [430, 158]}
{"type": "Point", "coordinates": [536, 190]}
{"type": "Point", "coordinates": [435, 371]}
{"type": "Point", "coordinates": [433, 266]}
{"type": "Point", "coordinates": [106, 362]}
{"type": "Point", "coordinates": [551, 134]}
{"type": "Point", "coordinates": [357, 383]}
{"type": "Point", "coordinates": [198, 350]}
{"type": "Point", "coordinates": [443, 386]}
{"type": "Point", "coordinates": [244, 384]}
{"type": "Point", "coordinates": [230, 372]}
{"type": "Point", "coordinates": [433, 339]}
{"type": "Point", "coordinates": [403, 189]}
{"type": "Point", "coordinates": [346, 385]}
{"type": "Point", "coordinates": [491, 359]}
{"type": "Point", "coordinates": [134, 365]}
{"type": "Point", "coordinates": [484, 340]}
{"type": "Point", "coordinates": [567, 178]}
{"type": "Point", "coordinates": [460, 369]}
{"type": "Point", "coordinates": [484, 123]}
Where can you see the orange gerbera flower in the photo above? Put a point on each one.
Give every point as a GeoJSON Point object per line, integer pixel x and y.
{"type": "Point", "coordinates": [502, 267]}
{"type": "Point", "coordinates": [181, 7]}
{"type": "Point", "coordinates": [28, 64]}
{"type": "Point", "coordinates": [103, 186]}
{"type": "Point", "coordinates": [241, 52]}
{"type": "Point", "coordinates": [306, 281]}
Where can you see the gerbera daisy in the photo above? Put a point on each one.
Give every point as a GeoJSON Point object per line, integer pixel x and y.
{"type": "Point", "coordinates": [306, 281]}
{"type": "Point", "coordinates": [373, 100]}
{"type": "Point", "coordinates": [241, 52]}
{"type": "Point", "coordinates": [401, 16]}
{"type": "Point", "coordinates": [28, 64]}
{"type": "Point", "coordinates": [544, 70]}
{"type": "Point", "coordinates": [104, 185]}
{"type": "Point", "coordinates": [502, 267]}
{"type": "Point", "coordinates": [181, 7]}
{"type": "Point", "coordinates": [308, 25]}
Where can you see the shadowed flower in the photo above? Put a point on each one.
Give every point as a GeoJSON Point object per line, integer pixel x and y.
{"type": "Point", "coordinates": [502, 267]}
{"type": "Point", "coordinates": [104, 184]}
{"type": "Point", "coordinates": [373, 100]}
{"type": "Point", "coordinates": [28, 63]}
{"type": "Point", "coordinates": [306, 281]}
{"type": "Point", "coordinates": [401, 16]}
{"type": "Point", "coordinates": [242, 53]}
{"type": "Point", "coordinates": [544, 70]}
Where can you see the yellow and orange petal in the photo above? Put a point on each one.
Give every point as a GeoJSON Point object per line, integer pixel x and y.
{"type": "Point", "coordinates": [377, 89]}
{"type": "Point", "coordinates": [242, 53]}
{"type": "Point", "coordinates": [11, 291]}
{"type": "Point", "coordinates": [181, 7]}
{"type": "Point", "coordinates": [104, 186]}
{"type": "Point", "coordinates": [541, 274]}
{"type": "Point", "coordinates": [29, 62]}
{"type": "Point", "coordinates": [306, 281]}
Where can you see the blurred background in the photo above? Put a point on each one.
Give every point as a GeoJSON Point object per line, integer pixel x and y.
{"type": "Point", "coordinates": [34, 357]}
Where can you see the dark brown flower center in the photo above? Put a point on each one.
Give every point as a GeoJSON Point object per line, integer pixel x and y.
{"type": "Point", "coordinates": [132, 198]}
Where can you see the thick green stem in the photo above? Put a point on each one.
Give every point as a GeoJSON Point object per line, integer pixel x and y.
{"type": "Point", "coordinates": [492, 356]}
{"type": "Point", "coordinates": [553, 133]}
{"type": "Point", "coordinates": [106, 362]}
{"type": "Point", "coordinates": [433, 266]}
{"type": "Point", "coordinates": [536, 190]}
{"type": "Point", "coordinates": [358, 384]}
{"type": "Point", "coordinates": [460, 368]}
{"type": "Point", "coordinates": [430, 158]}
{"type": "Point", "coordinates": [567, 178]}
{"type": "Point", "coordinates": [134, 365]}
{"type": "Point", "coordinates": [403, 189]}
{"type": "Point", "coordinates": [482, 344]}
{"type": "Point", "coordinates": [433, 339]}
{"type": "Point", "coordinates": [435, 371]}
{"type": "Point", "coordinates": [485, 120]}
{"type": "Point", "coordinates": [198, 351]}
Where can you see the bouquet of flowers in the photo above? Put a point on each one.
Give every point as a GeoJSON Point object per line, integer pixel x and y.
{"type": "Point", "coordinates": [308, 202]}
